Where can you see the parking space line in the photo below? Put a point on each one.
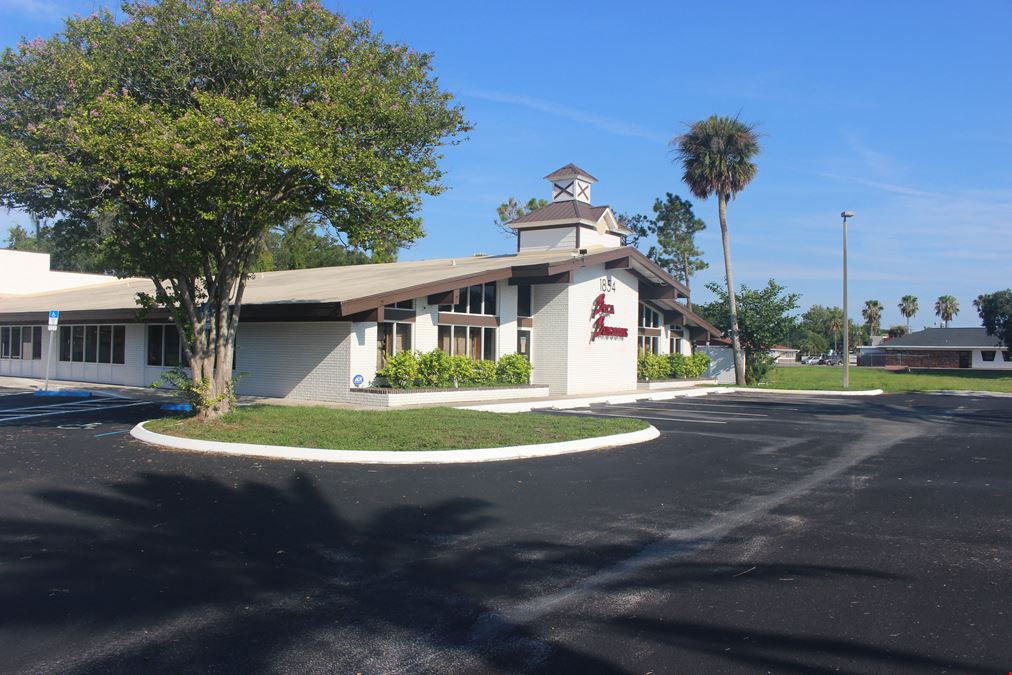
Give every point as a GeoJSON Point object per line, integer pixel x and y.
{"type": "Point", "coordinates": [68, 412]}
{"type": "Point", "coordinates": [639, 417]}
{"type": "Point", "coordinates": [679, 408]}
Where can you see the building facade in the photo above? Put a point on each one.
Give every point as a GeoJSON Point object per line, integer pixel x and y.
{"type": "Point", "coordinates": [968, 348]}
{"type": "Point", "coordinates": [572, 298]}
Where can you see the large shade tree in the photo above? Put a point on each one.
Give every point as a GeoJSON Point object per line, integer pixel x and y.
{"type": "Point", "coordinates": [717, 155]}
{"type": "Point", "coordinates": [189, 128]}
{"type": "Point", "coordinates": [995, 311]}
{"type": "Point", "coordinates": [908, 308]}
{"type": "Point", "coordinates": [946, 308]}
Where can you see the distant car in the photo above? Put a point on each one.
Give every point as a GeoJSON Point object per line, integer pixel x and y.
{"type": "Point", "coordinates": [834, 360]}
{"type": "Point", "coordinates": [813, 360]}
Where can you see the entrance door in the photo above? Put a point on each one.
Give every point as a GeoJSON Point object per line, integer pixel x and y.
{"type": "Point", "coordinates": [964, 359]}
{"type": "Point", "coordinates": [524, 343]}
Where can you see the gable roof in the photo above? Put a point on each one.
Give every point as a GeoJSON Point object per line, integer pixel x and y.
{"type": "Point", "coordinates": [331, 293]}
{"type": "Point", "coordinates": [944, 338]}
{"type": "Point", "coordinates": [570, 210]}
{"type": "Point", "coordinates": [569, 170]}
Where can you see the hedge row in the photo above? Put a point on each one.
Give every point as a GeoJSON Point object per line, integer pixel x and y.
{"type": "Point", "coordinates": [438, 369]}
{"type": "Point", "coordinates": [671, 366]}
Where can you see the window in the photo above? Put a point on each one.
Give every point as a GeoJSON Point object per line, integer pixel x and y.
{"type": "Point", "coordinates": [479, 299]}
{"type": "Point", "coordinates": [648, 317]}
{"type": "Point", "coordinates": [524, 301]}
{"type": "Point", "coordinates": [165, 349]}
{"type": "Point", "coordinates": [21, 342]}
{"type": "Point", "coordinates": [1006, 356]}
{"type": "Point", "coordinates": [403, 304]}
{"type": "Point", "coordinates": [676, 345]}
{"type": "Point", "coordinates": [392, 338]}
{"type": "Point", "coordinates": [987, 354]}
{"type": "Point", "coordinates": [90, 344]}
{"type": "Point", "coordinates": [648, 344]}
{"type": "Point", "coordinates": [477, 342]}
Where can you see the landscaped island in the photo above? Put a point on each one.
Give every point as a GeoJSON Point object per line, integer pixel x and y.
{"type": "Point", "coordinates": [821, 377]}
{"type": "Point", "coordinates": [415, 429]}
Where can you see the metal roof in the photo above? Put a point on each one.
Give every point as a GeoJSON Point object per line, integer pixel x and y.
{"type": "Point", "coordinates": [569, 210]}
{"type": "Point", "coordinates": [944, 338]}
{"type": "Point", "coordinates": [569, 171]}
{"type": "Point", "coordinates": [332, 292]}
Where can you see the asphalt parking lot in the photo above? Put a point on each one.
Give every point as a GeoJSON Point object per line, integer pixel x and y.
{"type": "Point", "coordinates": [757, 534]}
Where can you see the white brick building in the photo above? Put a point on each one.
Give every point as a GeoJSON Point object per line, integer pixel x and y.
{"type": "Point", "coordinates": [572, 298]}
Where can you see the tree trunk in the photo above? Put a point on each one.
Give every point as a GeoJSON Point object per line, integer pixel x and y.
{"type": "Point", "coordinates": [739, 357]}
{"type": "Point", "coordinates": [688, 300]}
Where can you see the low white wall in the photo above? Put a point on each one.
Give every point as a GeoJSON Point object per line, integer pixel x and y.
{"type": "Point", "coordinates": [23, 272]}
{"type": "Point", "coordinates": [407, 397]}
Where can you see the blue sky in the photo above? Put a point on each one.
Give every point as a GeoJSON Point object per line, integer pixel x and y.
{"type": "Point", "coordinates": [898, 111]}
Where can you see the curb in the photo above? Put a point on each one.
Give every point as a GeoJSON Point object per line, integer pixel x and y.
{"type": "Point", "coordinates": [570, 403]}
{"type": "Point", "coordinates": [396, 456]}
{"type": "Point", "coordinates": [815, 392]}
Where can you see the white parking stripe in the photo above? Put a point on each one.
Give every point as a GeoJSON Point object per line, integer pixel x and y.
{"type": "Point", "coordinates": [679, 408]}
{"type": "Point", "coordinates": [640, 417]}
{"type": "Point", "coordinates": [68, 412]}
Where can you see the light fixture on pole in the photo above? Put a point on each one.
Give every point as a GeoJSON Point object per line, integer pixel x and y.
{"type": "Point", "coordinates": [846, 320]}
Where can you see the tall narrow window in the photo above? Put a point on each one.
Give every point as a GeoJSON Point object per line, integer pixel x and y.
{"type": "Point", "coordinates": [489, 304]}
{"type": "Point", "coordinates": [37, 341]}
{"type": "Point", "coordinates": [488, 345]}
{"type": "Point", "coordinates": [474, 295]}
{"type": "Point", "coordinates": [445, 339]}
{"type": "Point", "coordinates": [524, 301]}
{"type": "Point", "coordinates": [154, 345]}
{"type": "Point", "coordinates": [118, 344]}
{"type": "Point", "coordinates": [16, 342]}
{"type": "Point", "coordinates": [90, 344]}
{"type": "Point", "coordinates": [65, 343]}
{"type": "Point", "coordinates": [5, 343]}
{"type": "Point", "coordinates": [104, 344]}
{"type": "Point", "coordinates": [460, 339]}
{"type": "Point", "coordinates": [475, 342]}
{"type": "Point", "coordinates": [77, 346]}
{"type": "Point", "coordinates": [172, 346]}
{"type": "Point", "coordinates": [461, 306]}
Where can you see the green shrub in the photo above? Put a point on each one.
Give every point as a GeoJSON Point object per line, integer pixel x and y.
{"type": "Point", "coordinates": [437, 369]}
{"type": "Point", "coordinates": [757, 366]}
{"type": "Point", "coordinates": [699, 363]}
{"type": "Point", "coordinates": [484, 373]}
{"type": "Point", "coordinates": [513, 369]}
{"type": "Point", "coordinates": [652, 367]}
{"type": "Point", "coordinates": [401, 370]}
{"type": "Point", "coordinates": [434, 369]}
{"type": "Point", "coordinates": [679, 365]}
{"type": "Point", "coordinates": [462, 371]}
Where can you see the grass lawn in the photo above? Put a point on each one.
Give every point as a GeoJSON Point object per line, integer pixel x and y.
{"type": "Point", "coordinates": [415, 429]}
{"type": "Point", "coordinates": [827, 377]}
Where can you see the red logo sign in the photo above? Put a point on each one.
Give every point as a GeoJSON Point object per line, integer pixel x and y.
{"type": "Point", "coordinates": [599, 312]}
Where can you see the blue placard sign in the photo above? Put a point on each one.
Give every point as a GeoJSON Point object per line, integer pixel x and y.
{"type": "Point", "coordinates": [358, 380]}
{"type": "Point", "coordinates": [54, 314]}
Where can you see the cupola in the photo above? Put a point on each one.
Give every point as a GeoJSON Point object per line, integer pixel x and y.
{"type": "Point", "coordinates": [571, 183]}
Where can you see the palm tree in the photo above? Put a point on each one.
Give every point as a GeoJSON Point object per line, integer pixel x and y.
{"type": "Point", "coordinates": [872, 314]}
{"type": "Point", "coordinates": [836, 325]}
{"type": "Point", "coordinates": [716, 156]}
{"type": "Point", "coordinates": [946, 308]}
{"type": "Point", "coordinates": [908, 307]}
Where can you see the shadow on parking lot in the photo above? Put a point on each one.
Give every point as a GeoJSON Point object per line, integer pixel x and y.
{"type": "Point", "coordinates": [234, 578]}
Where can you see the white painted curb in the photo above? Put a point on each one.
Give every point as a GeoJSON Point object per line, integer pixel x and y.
{"type": "Point", "coordinates": [396, 457]}
{"type": "Point", "coordinates": [814, 392]}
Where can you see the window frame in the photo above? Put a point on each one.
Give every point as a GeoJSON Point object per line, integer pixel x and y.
{"type": "Point", "coordinates": [67, 337]}
{"type": "Point", "coordinates": [488, 338]}
{"type": "Point", "coordinates": [393, 346]}
{"type": "Point", "coordinates": [988, 355]}
{"type": "Point", "coordinates": [475, 300]}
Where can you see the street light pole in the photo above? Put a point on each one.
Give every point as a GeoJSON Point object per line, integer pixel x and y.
{"type": "Point", "coordinates": [846, 320]}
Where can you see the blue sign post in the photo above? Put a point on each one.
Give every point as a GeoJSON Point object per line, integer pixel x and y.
{"type": "Point", "coordinates": [54, 321]}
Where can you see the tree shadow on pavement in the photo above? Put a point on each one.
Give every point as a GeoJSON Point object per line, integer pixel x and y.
{"type": "Point", "coordinates": [169, 573]}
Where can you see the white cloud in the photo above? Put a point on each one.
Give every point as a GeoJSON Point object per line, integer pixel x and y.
{"type": "Point", "coordinates": [602, 122]}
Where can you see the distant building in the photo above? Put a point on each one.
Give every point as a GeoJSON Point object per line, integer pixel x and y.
{"type": "Point", "coordinates": [784, 354]}
{"type": "Point", "coordinates": [946, 348]}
